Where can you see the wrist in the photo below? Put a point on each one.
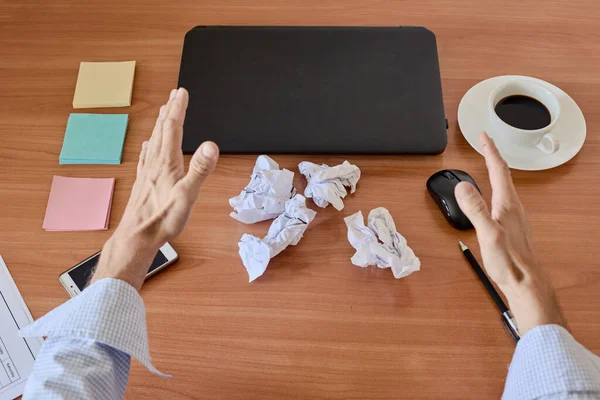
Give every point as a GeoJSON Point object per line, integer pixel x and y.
{"type": "Point", "coordinates": [533, 305]}
{"type": "Point", "coordinates": [126, 258]}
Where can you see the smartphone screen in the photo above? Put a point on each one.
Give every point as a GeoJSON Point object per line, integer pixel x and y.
{"type": "Point", "coordinates": [81, 275]}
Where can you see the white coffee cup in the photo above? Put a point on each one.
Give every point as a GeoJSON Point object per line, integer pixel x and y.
{"type": "Point", "coordinates": [542, 138]}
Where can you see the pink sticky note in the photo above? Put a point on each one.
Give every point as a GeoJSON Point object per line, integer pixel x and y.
{"type": "Point", "coordinates": [79, 204]}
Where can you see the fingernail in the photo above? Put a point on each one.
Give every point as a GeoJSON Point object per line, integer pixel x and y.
{"type": "Point", "coordinates": [179, 93]}
{"type": "Point", "coordinates": [465, 191]}
{"type": "Point", "coordinates": [173, 93]}
{"type": "Point", "coordinates": [209, 150]}
{"type": "Point", "coordinates": [483, 138]}
{"type": "Point", "coordinates": [488, 145]}
{"type": "Point", "coordinates": [162, 109]}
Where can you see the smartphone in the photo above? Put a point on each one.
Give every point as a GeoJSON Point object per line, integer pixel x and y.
{"type": "Point", "coordinates": [75, 279]}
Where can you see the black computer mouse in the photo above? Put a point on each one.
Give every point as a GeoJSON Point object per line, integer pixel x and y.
{"type": "Point", "coordinates": [441, 188]}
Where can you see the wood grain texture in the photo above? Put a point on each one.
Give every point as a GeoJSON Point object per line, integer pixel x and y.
{"type": "Point", "coordinates": [314, 326]}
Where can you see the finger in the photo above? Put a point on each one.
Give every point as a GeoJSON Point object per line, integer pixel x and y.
{"type": "Point", "coordinates": [473, 206]}
{"type": "Point", "coordinates": [142, 159]}
{"type": "Point", "coordinates": [156, 138]}
{"type": "Point", "coordinates": [503, 189]}
{"type": "Point", "coordinates": [173, 123]}
{"type": "Point", "coordinates": [202, 164]}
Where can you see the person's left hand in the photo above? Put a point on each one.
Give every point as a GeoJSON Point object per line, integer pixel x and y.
{"type": "Point", "coordinates": [162, 196]}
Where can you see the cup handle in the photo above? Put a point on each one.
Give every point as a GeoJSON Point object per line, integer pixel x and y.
{"type": "Point", "coordinates": [548, 144]}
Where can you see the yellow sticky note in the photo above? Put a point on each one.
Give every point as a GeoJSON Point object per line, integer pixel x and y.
{"type": "Point", "coordinates": [104, 84]}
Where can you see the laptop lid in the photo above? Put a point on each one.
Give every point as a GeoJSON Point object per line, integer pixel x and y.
{"type": "Point", "coordinates": [313, 90]}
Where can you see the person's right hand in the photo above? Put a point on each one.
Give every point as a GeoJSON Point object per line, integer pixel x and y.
{"type": "Point", "coordinates": [506, 244]}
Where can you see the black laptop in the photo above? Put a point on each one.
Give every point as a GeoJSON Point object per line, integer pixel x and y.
{"type": "Point", "coordinates": [313, 90]}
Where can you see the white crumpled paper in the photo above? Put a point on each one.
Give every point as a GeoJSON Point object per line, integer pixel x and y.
{"type": "Point", "coordinates": [326, 184]}
{"type": "Point", "coordinates": [286, 230]}
{"type": "Point", "coordinates": [265, 196]}
{"type": "Point", "coordinates": [389, 251]}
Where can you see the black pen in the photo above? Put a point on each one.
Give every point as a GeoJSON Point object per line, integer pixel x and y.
{"type": "Point", "coordinates": [507, 317]}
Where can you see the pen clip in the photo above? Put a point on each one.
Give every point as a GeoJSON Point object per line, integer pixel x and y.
{"type": "Point", "coordinates": [509, 328]}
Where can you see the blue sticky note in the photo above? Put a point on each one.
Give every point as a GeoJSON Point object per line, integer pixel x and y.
{"type": "Point", "coordinates": [94, 139]}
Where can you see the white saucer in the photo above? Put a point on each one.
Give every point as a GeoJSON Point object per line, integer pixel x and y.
{"type": "Point", "coordinates": [473, 118]}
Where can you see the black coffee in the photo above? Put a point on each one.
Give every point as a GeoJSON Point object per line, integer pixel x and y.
{"type": "Point", "coordinates": [523, 112]}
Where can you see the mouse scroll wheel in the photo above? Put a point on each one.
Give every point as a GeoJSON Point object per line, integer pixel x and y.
{"type": "Point", "coordinates": [449, 175]}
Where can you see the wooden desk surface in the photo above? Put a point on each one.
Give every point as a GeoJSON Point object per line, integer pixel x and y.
{"type": "Point", "coordinates": [314, 326]}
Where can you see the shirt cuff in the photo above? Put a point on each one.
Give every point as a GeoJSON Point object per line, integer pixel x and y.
{"type": "Point", "coordinates": [110, 311]}
{"type": "Point", "coordinates": [547, 361]}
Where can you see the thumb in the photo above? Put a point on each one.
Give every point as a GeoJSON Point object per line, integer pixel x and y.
{"type": "Point", "coordinates": [472, 204]}
{"type": "Point", "coordinates": [202, 164]}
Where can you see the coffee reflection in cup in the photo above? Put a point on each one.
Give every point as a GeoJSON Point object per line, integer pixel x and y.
{"type": "Point", "coordinates": [523, 112]}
